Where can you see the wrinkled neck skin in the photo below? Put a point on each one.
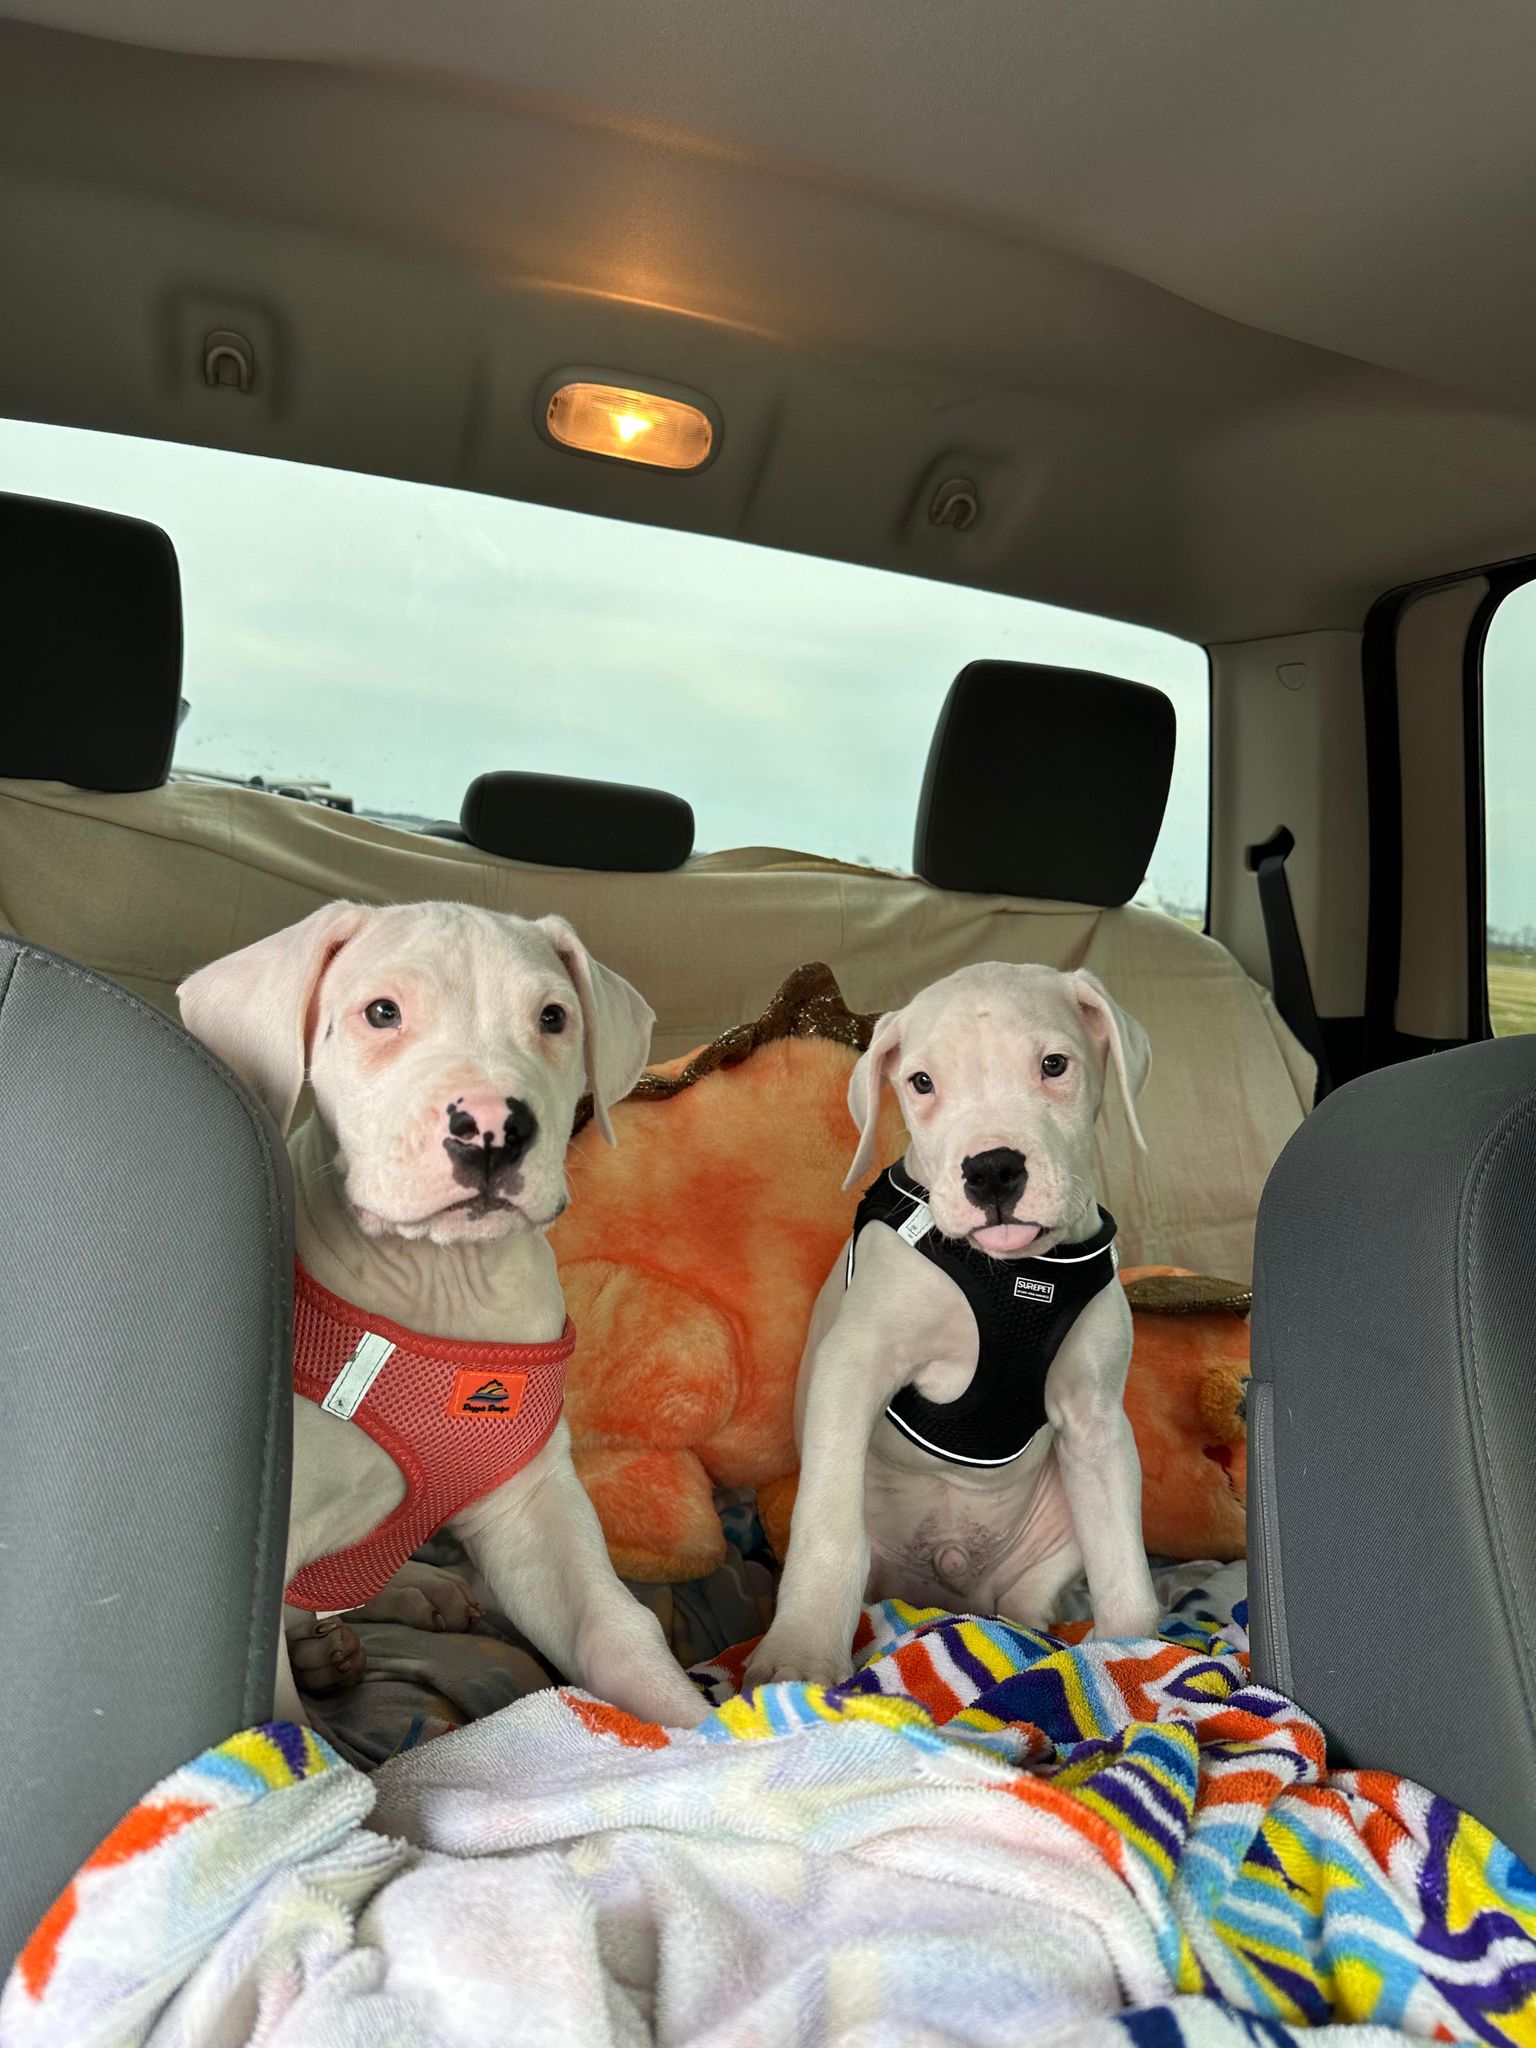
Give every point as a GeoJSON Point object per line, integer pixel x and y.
{"type": "Point", "coordinates": [1081, 1223]}
{"type": "Point", "coordinates": [503, 1292]}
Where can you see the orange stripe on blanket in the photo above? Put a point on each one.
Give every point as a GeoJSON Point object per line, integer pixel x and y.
{"type": "Point", "coordinates": [1383, 1789]}
{"type": "Point", "coordinates": [1240, 1724]}
{"type": "Point", "coordinates": [1133, 1674]}
{"type": "Point", "coordinates": [1384, 1827]}
{"type": "Point", "coordinates": [1241, 1788]}
{"type": "Point", "coordinates": [145, 1828]}
{"type": "Point", "coordinates": [599, 1719]}
{"type": "Point", "coordinates": [1327, 1799]}
{"type": "Point", "coordinates": [920, 1682]}
{"type": "Point", "coordinates": [1082, 1820]}
{"type": "Point", "coordinates": [1381, 1834]}
{"type": "Point", "coordinates": [733, 1662]}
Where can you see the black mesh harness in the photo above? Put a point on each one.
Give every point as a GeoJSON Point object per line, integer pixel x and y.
{"type": "Point", "coordinates": [1023, 1309]}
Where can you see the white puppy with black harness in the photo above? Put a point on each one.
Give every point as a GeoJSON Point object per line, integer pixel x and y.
{"type": "Point", "coordinates": [963, 1436]}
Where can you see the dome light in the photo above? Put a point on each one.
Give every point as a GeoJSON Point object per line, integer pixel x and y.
{"type": "Point", "coordinates": [625, 422]}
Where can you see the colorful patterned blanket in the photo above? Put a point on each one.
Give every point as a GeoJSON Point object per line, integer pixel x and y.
{"type": "Point", "coordinates": [987, 1836]}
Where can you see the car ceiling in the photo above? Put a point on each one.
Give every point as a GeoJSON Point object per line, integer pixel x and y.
{"type": "Point", "coordinates": [1226, 308]}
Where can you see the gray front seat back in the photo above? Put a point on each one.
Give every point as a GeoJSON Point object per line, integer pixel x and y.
{"type": "Point", "coordinates": [145, 1291]}
{"type": "Point", "coordinates": [1392, 1419]}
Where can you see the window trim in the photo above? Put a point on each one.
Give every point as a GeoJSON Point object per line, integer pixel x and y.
{"type": "Point", "coordinates": [1502, 583]}
{"type": "Point", "coordinates": [1384, 1044]}
{"type": "Point", "coordinates": [1384, 823]}
{"type": "Point", "coordinates": [1479, 1020]}
{"type": "Point", "coordinates": [1210, 784]}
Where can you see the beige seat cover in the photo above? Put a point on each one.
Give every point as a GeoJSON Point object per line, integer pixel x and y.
{"type": "Point", "coordinates": [145, 888]}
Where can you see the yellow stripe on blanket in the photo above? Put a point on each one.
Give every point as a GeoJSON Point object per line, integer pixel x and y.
{"type": "Point", "coordinates": [264, 1757]}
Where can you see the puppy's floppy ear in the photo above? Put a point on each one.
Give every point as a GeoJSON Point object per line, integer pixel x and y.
{"type": "Point", "coordinates": [864, 1086]}
{"type": "Point", "coordinates": [1121, 1039]}
{"type": "Point", "coordinates": [256, 1008]}
{"type": "Point", "coordinates": [616, 1022]}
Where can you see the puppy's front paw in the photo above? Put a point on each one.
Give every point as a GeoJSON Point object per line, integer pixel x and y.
{"type": "Point", "coordinates": [784, 1658]}
{"type": "Point", "coordinates": [1129, 1621]}
{"type": "Point", "coordinates": [327, 1657]}
{"type": "Point", "coordinates": [424, 1596]}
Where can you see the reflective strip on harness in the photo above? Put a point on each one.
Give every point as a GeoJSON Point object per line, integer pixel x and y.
{"type": "Point", "coordinates": [457, 1418]}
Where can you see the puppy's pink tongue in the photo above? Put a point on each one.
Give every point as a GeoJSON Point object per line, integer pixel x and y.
{"type": "Point", "coordinates": [1005, 1237]}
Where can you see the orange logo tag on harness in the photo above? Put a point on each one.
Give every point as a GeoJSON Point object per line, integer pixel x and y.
{"type": "Point", "coordinates": [487, 1393]}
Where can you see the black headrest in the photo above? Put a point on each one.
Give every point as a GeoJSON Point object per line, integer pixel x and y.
{"type": "Point", "coordinates": [90, 646]}
{"type": "Point", "coordinates": [561, 822]}
{"type": "Point", "coordinates": [1045, 782]}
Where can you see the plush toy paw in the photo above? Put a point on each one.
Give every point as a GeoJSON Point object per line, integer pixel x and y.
{"type": "Point", "coordinates": [426, 1597]}
{"type": "Point", "coordinates": [657, 1510]}
{"type": "Point", "coordinates": [326, 1657]}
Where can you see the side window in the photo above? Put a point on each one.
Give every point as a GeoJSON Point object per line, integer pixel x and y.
{"type": "Point", "coordinates": [1509, 782]}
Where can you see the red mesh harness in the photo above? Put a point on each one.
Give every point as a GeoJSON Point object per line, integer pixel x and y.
{"type": "Point", "coordinates": [456, 1418]}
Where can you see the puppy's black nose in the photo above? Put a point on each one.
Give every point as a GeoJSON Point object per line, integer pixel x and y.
{"type": "Point", "coordinates": [486, 1138]}
{"type": "Point", "coordinates": [994, 1180]}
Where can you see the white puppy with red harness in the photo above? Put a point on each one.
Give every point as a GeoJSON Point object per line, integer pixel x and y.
{"type": "Point", "coordinates": [963, 1437]}
{"type": "Point", "coordinates": [446, 1048]}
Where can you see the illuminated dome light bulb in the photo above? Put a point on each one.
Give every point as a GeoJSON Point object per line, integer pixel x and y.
{"type": "Point", "coordinates": [626, 424]}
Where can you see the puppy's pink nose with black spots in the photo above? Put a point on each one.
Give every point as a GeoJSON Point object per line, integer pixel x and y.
{"type": "Point", "coordinates": [487, 1135]}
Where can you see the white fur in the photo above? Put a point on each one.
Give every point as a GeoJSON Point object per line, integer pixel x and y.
{"type": "Point", "coordinates": [383, 1221]}
{"type": "Point", "coordinates": [877, 1516]}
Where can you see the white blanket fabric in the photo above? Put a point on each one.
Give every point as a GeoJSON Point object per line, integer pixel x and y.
{"type": "Point", "coordinates": [804, 1869]}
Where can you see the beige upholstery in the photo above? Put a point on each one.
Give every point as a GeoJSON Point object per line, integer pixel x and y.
{"type": "Point", "coordinates": [145, 888]}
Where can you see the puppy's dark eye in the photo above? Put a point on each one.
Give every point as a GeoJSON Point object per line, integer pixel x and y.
{"type": "Point", "coordinates": [1054, 1065]}
{"type": "Point", "coordinates": [383, 1014]}
{"type": "Point", "coordinates": [552, 1019]}
{"type": "Point", "coordinates": [920, 1083]}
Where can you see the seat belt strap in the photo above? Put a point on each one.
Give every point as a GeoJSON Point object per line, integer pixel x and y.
{"type": "Point", "coordinates": [1290, 983]}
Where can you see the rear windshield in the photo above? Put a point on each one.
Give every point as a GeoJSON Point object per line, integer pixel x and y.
{"type": "Point", "coordinates": [395, 640]}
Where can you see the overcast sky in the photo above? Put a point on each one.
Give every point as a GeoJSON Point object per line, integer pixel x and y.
{"type": "Point", "coordinates": [398, 640]}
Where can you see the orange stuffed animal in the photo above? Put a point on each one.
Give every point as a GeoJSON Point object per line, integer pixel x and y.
{"type": "Point", "coordinates": [691, 1258]}
{"type": "Point", "coordinates": [1185, 1396]}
